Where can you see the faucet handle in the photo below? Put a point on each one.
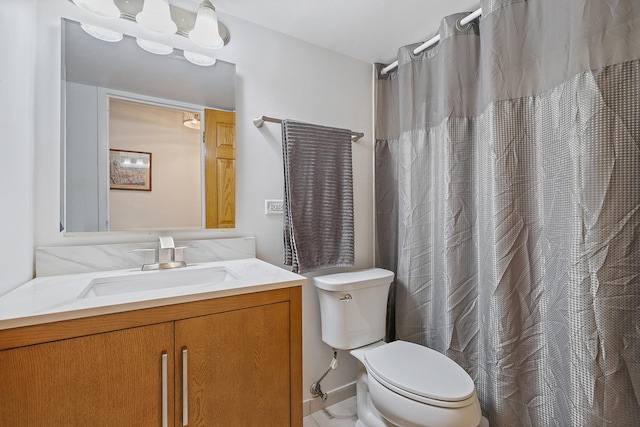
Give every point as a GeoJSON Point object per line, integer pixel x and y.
{"type": "Point", "coordinates": [150, 255]}
{"type": "Point", "coordinates": [178, 253]}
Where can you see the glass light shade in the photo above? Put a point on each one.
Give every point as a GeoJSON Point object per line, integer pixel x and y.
{"type": "Point", "coordinates": [205, 33]}
{"type": "Point", "coordinates": [191, 120]}
{"type": "Point", "coordinates": [102, 33]}
{"type": "Point", "coordinates": [156, 16]}
{"type": "Point", "coordinates": [101, 8]}
{"type": "Point", "coordinates": [198, 59]}
{"type": "Point", "coordinates": [154, 47]}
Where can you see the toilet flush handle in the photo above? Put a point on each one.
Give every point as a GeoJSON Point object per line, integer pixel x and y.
{"type": "Point", "coordinates": [346, 298]}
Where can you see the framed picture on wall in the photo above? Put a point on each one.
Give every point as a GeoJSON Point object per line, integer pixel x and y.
{"type": "Point", "coordinates": [129, 170]}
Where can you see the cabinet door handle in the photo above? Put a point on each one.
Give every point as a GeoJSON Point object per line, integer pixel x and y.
{"type": "Point", "coordinates": [185, 389]}
{"type": "Point", "coordinates": [165, 411]}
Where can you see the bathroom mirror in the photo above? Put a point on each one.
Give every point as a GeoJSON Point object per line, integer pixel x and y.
{"type": "Point", "coordinates": [148, 140]}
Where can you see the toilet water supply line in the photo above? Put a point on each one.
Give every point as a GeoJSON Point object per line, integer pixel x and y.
{"type": "Point", "coordinates": [315, 387]}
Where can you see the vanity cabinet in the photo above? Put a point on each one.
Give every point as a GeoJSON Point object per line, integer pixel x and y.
{"type": "Point", "coordinates": [104, 379]}
{"type": "Point", "coordinates": [231, 361]}
{"type": "Point", "coordinates": [244, 382]}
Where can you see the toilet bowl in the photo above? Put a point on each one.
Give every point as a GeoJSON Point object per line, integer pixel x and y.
{"type": "Point", "coordinates": [412, 385]}
{"type": "Point", "coordinates": [399, 383]}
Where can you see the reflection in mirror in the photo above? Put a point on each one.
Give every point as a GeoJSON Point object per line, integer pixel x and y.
{"type": "Point", "coordinates": [124, 107]}
{"type": "Point", "coordinates": [173, 199]}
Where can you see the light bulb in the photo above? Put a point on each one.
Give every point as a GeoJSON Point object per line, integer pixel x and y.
{"type": "Point", "coordinates": [154, 47]}
{"type": "Point", "coordinates": [101, 8]}
{"type": "Point", "coordinates": [156, 16]}
{"type": "Point", "coordinates": [198, 59]}
{"type": "Point", "coordinates": [205, 32]}
{"type": "Point", "coordinates": [102, 33]}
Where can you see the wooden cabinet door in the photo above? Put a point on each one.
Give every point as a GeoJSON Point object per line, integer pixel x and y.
{"type": "Point", "coordinates": [110, 379]}
{"type": "Point", "coordinates": [237, 368]}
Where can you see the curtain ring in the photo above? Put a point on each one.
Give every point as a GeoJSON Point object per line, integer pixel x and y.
{"type": "Point", "coordinates": [463, 28]}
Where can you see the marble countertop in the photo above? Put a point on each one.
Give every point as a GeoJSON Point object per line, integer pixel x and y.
{"type": "Point", "coordinates": [55, 298]}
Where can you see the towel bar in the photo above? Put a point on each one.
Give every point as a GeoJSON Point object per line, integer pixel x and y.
{"type": "Point", "coordinates": [259, 121]}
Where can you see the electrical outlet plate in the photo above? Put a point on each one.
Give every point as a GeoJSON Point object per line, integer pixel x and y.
{"type": "Point", "coordinates": [273, 207]}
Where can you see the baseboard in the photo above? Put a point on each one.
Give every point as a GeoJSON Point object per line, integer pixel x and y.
{"type": "Point", "coordinates": [337, 395]}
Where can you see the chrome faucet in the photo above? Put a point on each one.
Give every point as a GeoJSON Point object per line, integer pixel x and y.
{"type": "Point", "coordinates": [167, 255]}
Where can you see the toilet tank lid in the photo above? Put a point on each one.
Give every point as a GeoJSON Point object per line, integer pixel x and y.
{"type": "Point", "coordinates": [354, 279]}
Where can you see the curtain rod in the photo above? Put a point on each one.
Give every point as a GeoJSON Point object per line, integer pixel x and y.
{"type": "Point", "coordinates": [464, 21]}
{"type": "Point", "coordinates": [259, 121]}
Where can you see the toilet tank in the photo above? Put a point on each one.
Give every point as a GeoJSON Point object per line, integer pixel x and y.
{"type": "Point", "coordinates": [353, 307]}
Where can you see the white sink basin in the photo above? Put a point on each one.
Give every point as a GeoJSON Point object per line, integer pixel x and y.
{"type": "Point", "coordinates": [154, 280]}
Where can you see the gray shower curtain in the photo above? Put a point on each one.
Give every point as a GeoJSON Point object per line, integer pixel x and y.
{"type": "Point", "coordinates": [508, 204]}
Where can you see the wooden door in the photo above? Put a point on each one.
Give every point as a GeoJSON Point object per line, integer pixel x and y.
{"type": "Point", "coordinates": [220, 168]}
{"type": "Point", "coordinates": [237, 368]}
{"type": "Point", "coordinates": [110, 379]}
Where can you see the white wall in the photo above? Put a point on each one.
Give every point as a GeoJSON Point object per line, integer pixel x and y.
{"type": "Point", "coordinates": [176, 184]}
{"type": "Point", "coordinates": [277, 76]}
{"type": "Point", "coordinates": [17, 44]}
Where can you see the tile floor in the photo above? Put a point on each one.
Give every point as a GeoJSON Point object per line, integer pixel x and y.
{"type": "Point", "coordinates": [342, 414]}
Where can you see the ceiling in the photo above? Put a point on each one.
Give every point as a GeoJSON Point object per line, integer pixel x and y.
{"type": "Point", "coordinates": [369, 30]}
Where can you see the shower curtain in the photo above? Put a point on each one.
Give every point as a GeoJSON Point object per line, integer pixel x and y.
{"type": "Point", "coordinates": [508, 205]}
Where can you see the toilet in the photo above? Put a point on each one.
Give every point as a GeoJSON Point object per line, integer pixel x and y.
{"type": "Point", "coordinates": [399, 383]}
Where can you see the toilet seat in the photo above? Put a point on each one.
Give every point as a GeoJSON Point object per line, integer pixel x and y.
{"type": "Point", "coordinates": [421, 374]}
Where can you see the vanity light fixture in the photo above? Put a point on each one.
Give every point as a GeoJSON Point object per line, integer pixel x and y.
{"type": "Point", "coordinates": [101, 8]}
{"type": "Point", "coordinates": [198, 59]}
{"type": "Point", "coordinates": [191, 120]}
{"type": "Point", "coordinates": [154, 47]}
{"type": "Point", "coordinates": [156, 16]}
{"type": "Point", "coordinates": [205, 33]}
{"type": "Point", "coordinates": [102, 33]}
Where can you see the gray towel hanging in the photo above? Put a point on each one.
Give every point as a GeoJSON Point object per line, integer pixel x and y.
{"type": "Point", "coordinates": [318, 197]}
